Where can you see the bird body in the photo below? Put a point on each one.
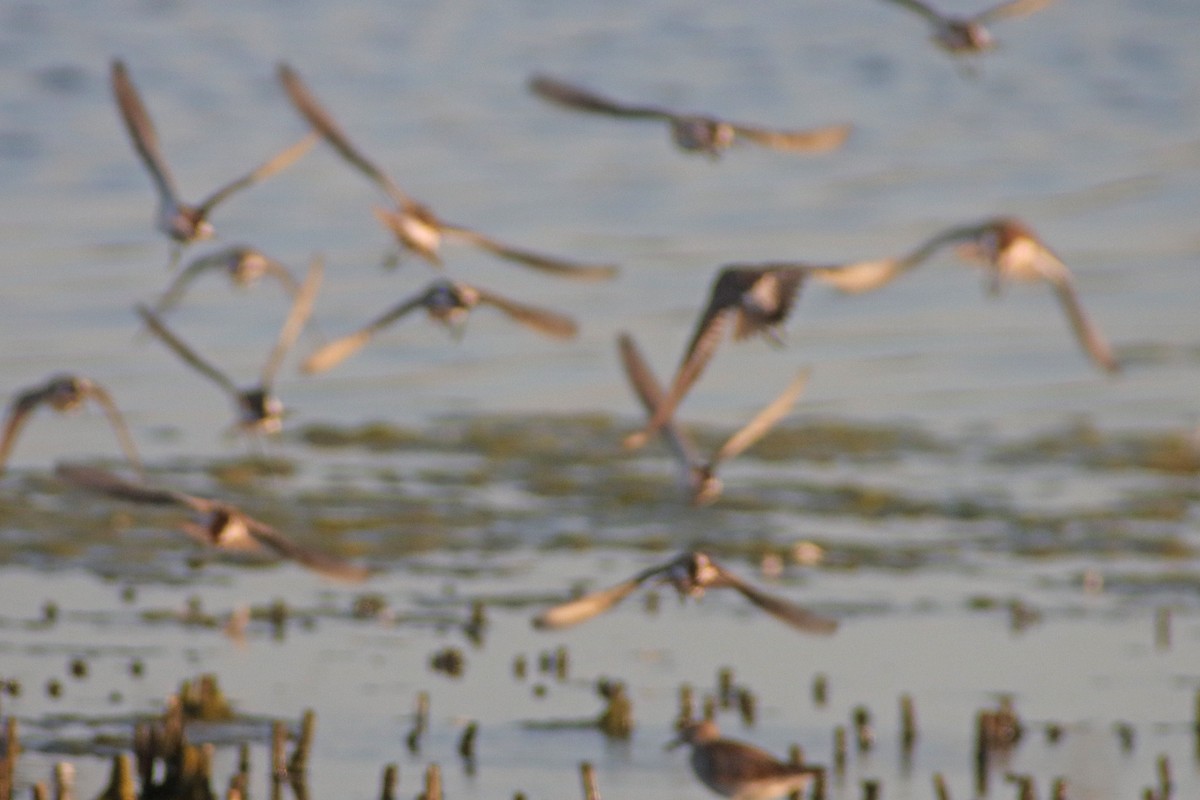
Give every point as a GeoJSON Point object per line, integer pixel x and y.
{"type": "Point", "coordinates": [964, 35]}
{"type": "Point", "coordinates": [739, 770]}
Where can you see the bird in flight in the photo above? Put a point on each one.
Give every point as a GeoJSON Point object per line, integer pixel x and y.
{"type": "Point", "coordinates": [415, 225]}
{"type": "Point", "coordinates": [64, 393]}
{"type": "Point", "coordinates": [259, 410]}
{"type": "Point", "coordinates": [696, 133]}
{"type": "Point", "coordinates": [448, 302]}
{"type": "Point", "coordinates": [699, 477]}
{"type": "Point", "coordinates": [244, 265]}
{"type": "Point", "coordinates": [182, 222]}
{"type": "Point", "coordinates": [218, 524]}
{"type": "Point", "coordinates": [691, 574]}
{"type": "Point", "coordinates": [964, 35]}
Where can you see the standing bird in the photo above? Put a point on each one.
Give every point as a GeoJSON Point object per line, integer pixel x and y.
{"type": "Point", "coordinates": [739, 770]}
{"type": "Point", "coordinates": [182, 222]}
{"type": "Point", "coordinates": [220, 525]}
{"type": "Point", "coordinates": [415, 225]}
{"type": "Point", "coordinates": [696, 133]}
{"type": "Point", "coordinates": [699, 477]}
{"type": "Point", "coordinates": [962, 35]}
{"type": "Point", "coordinates": [448, 302]}
{"type": "Point", "coordinates": [259, 411]}
{"type": "Point", "coordinates": [244, 265]}
{"type": "Point", "coordinates": [64, 393]}
{"type": "Point", "coordinates": [691, 574]}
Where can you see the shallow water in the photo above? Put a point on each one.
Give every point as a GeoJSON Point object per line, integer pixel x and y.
{"type": "Point", "coordinates": [952, 453]}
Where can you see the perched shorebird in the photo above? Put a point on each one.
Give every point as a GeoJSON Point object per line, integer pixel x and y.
{"type": "Point", "coordinates": [961, 35]}
{"type": "Point", "coordinates": [696, 133]}
{"type": "Point", "coordinates": [220, 525]}
{"type": "Point", "coordinates": [259, 411]}
{"type": "Point", "coordinates": [1011, 251]}
{"type": "Point", "coordinates": [699, 477]}
{"type": "Point", "coordinates": [757, 299]}
{"type": "Point", "coordinates": [244, 265]}
{"type": "Point", "coordinates": [448, 302]}
{"type": "Point", "coordinates": [415, 225]}
{"type": "Point", "coordinates": [739, 770]}
{"type": "Point", "coordinates": [182, 222]}
{"type": "Point", "coordinates": [64, 393]}
{"type": "Point", "coordinates": [691, 574]}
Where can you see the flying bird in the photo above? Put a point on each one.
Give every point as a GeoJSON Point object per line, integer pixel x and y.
{"type": "Point", "coordinates": [699, 476]}
{"type": "Point", "coordinates": [691, 574]}
{"type": "Point", "coordinates": [695, 133]}
{"type": "Point", "coordinates": [244, 265]}
{"type": "Point", "coordinates": [64, 393]}
{"type": "Point", "coordinates": [415, 225]}
{"type": "Point", "coordinates": [182, 222]}
{"type": "Point", "coordinates": [257, 407]}
{"type": "Point", "coordinates": [961, 35]}
{"type": "Point", "coordinates": [739, 770]}
{"type": "Point", "coordinates": [219, 525]}
{"type": "Point", "coordinates": [448, 302]}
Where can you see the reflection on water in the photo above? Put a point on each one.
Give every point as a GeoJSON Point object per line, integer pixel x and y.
{"type": "Point", "coordinates": [995, 516]}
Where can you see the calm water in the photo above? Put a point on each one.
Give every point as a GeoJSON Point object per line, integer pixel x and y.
{"type": "Point", "coordinates": [1086, 122]}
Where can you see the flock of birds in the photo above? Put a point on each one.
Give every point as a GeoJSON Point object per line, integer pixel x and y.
{"type": "Point", "coordinates": [750, 299]}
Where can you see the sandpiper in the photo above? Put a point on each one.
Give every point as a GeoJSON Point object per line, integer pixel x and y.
{"type": "Point", "coordinates": [739, 770]}
{"type": "Point", "coordinates": [64, 393]}
{"type": "Point", "coordinates": [259, 411]}
{"type": "Point", "coordinates": [448, 302]}
{"type": "Point", "coordinates": [182, 222]}
{"type": "Point", "coordinates": [415, 225]}
{"type": "Point", "coordinates": [963, 35]}
{"type": "Point", "coordinates": [219, 525]}
{"type": "Point", "coordinates": [1010, 250]}
{"type": "Point", "coordinates": [699, 477]}
{"type": "Point", "coordinates": [697, 133]}
{"type": "Point", "coordinates": [244, 265]}
{"type": "Point", "coordinates": [691, 574]}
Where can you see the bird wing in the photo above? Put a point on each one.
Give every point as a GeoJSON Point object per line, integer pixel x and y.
{"type": "Point", "coordinates": [762, 422]}
{"type": "Point", "coordinates": [921, 8]}
{"type": "Point", "coordinates": [18, 414]}
{"type": "Point", "coordinates": [103, 399]}
{"type": "Point", "coordinates": [297, 316]}
{"type": "Point", "coordinates": [1010, 8]}
{"type": "Point", "coordinates": [799, 618]}
{"type": "Point", "coordinates": [276, 163]}
{"type": "Point", "coordinates": [649, 391]}
{"type": "Point", "coordinates": [581, 609]}
{"type": "Point", "coordinates": [107, 483]}
{"type": "Point", "coordinates": [337, 351]}
{"type": "Point", "coordinates": [159, 329]}
{"type": "Point", "coordinates": [565, 94]}
{"type": "Point", "coordinates": [141, 132]}
{"type": "Point", "coordinates": [811, 140]}
{"type": "Point", "coordinates": [1090, 338]}
{"type": "Point", "coordinates": [860, 276]}
{"type": "Point", "coordinates": [306, 103]}
{"type": "Point", "coordinates": [318, 561]}
{"type": "Point", "coordinates": [539, 319]}
{"type": "Point", "coordinates": [171, 295]}
{"type": "Point", "coordinates": [549, 264]}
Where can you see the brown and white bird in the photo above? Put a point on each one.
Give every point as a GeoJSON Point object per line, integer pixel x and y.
{"type": "Point", "coordinates": [739, 770]}
{"type": "Point", "coordinates": [447, 302]}
{"type": "Point", "coordinates": [244, 265]}
{"type": "Point", "coordinates": [699, 477]}
{"type": "Point", "coordinates": [258, 409]}
{"type": "Point", "coordinates": [415, 225]}
{"type": "Point", "coordinates": [691, 574]}
{"type": "Point", "coordinates": [961, 35]}
{"type": "Point", "coordinates": [182, 222]}
{"type": "Point", "coordinates": [1011, 251]}
{"type": "Point", "coordinates": [218, 525]}
{"type": "Point", "coordinates": [697, 133]}
{"type": "Point", "coordinates": [64, 393]}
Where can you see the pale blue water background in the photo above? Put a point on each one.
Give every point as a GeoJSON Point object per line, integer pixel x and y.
{"type": "Point", "coordinates": [1086, 122]}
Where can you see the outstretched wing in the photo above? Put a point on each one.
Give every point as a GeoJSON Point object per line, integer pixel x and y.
{"type": "Point", "coordinates": [581, 609]}
{"type": "Point", "coordinates": [172, 294]}
{"type": "Point", "coordinates": [103, 399]}
{"type": "Point", "coordinates": [921, 8]}
{"type": "Point", "coordinates": [159, 329]}
{"type": "Point", "coordinates": [107, 483]}
{"type": "Point", "coordinates": [799, 618]}
{"type": "Point", "coordinates": [1011, 8]}
{"type": "Point", "coordinates": [18, 414]}
{"type": "Point", "coordinates": [300, 311]}
{"type": "Point", "coordinates": [306, 103]}
{"type": "Point", "coordinates": [570, 96]}
{"type": "Point", "coordinates": [318, 561]}
{"type": "Point", "coordinates": [762, 422]}
{"type": "Point", "coordinates": [811, 140]}
{"type": "Point", "coordinates": [337, 351]}
{"type": "Point", "coordinates": [1089, 336]}
{"type": "Point", "coordinates": [538, 319]}
{"type": "Point", "coordinates": [549, 264]}
{"type": "Point", "coordinates": [141, 132]}
{"type": "Point", "coordinates": [276, 163]}
{"type": "Point", "coordinates": [649, 391]}
{"type": "Point", "coordinates": [861, 276]}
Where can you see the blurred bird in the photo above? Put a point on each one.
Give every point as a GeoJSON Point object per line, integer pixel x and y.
{"type": "Point", "coordinates": [695, 133]}
{"type": "Point", "coordinates": [448, 302]}
{"type": "Point", "coordinates": [691, 574]}
{"type": "Point", "coordinates": [739, 770]}
{"type": "Point", "coordinates": [219, 524]}
{"type": "Point", "coordinates": [259, 411]}
{"type": "Point", "coordinates": [245, 266]}
{"type": "Point", "coordinates": [64, 393]}
{"type": "Point", "coordinates": [182, 222]}
{"type": "Point", "coordinates": [960, 35]}
{"type": "Point", "coordinates": [699, 477]}
{"type": "Point", "coordinates": [415, 226]}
